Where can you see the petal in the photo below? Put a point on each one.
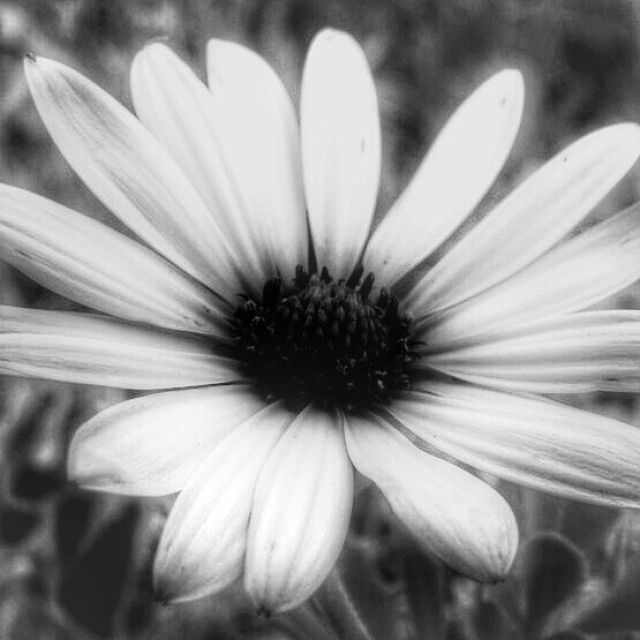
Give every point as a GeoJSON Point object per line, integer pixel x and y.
{"type": "Point", "coordinates": [151, 446]}
{"type": "Point", "coordinates": [452, 513]}
{"type": "Point", "coordinates": [340, 149]}
{"type": "Point", "coordinates": [597, 350]}
{"type": "Point", "coordinates": [533, 218]}
{"type": "Point", "coordinates": [534, 442]}
{"type": "Point", "coordinates": [300, 515]}
{"type": "Point", "coordinates": [130, 172]}
{"type": "Point", "coordinates": [75, 347]}
{"type": "Point", "coordinates": [92, 264]}
{"type": "Point", "coordinates": [203, 543]}
{"type": "Point", "coordinates": [460, 167]}
{"type": "Point", "coordinates": [578, 274]}
{"type": "Point", "coordinates": [241, 152]}
{"type": "Point", "coordinates": [264, 150]}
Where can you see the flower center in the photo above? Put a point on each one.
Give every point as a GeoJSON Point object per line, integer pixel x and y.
{"type": "Point", "coordinates": [324, 341]}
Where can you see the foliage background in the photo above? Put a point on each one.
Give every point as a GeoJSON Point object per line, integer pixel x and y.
{"type": "Point", "coordinates": [76, 565]}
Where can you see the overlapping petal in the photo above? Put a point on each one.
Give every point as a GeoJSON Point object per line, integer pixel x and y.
{"type": "Point", "coordinates": [300, 514]}
{"type": "Point", "coordinates": [460, 167]}
{"type": "Point", "coordinates": [240, 150]}
{"type": "Point", "coordinates": [151, 446]}
{"type": "Point", "coordinates": [266, 148]}
{"type": "Point", "coordinates": [203, 543]}
{"type": "Point", "coordinates": [131, 173]}
{"type": "Point", "coordinates": [532, 218]}
{"type": "Point", "coordinates": [451, 512]}
{"type": "Point", "coordinates": [214, 180]}
{"type": "Point", "coordinates": [576, 275]}
{"type": "Point", "coordinates": [576, 353]}
{"type": "Point", "coordinates": [92, 264]}
{"type": "Point", "coordinates": [88, 349]}
{"type": "Point", "coordinates": [534, 442]}
{"type": "Point", "coordinates": [340, 131]}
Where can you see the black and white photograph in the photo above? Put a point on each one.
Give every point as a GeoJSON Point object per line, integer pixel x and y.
{"type": "Point", "coordinates": [319, 320]}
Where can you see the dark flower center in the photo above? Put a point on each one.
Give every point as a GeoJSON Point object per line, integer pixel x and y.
{"type": "Point", "coordinates": [324, 341]}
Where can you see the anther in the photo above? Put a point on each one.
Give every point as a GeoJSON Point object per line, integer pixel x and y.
{"type": "Point", "coordinates": [367, 285]}
{"type": "Point", "coordinates": [323, 341]}
{"type": "Point", "coordinates": [271, 292]}
{"type": "Point", "coordinates": [324, 275]}
{"type": "Point", "coordinates": [301, 278]}
{"type": "Point", "coordinates": [354, 278]}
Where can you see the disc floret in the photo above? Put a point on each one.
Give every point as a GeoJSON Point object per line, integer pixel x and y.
{"type": "Point", "coordinates": [334, 343]}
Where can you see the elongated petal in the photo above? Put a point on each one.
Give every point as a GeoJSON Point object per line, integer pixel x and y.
{"type": "Point", "coordinates": [532, 218]}
{"type": "Point", "coordinates": [576, 353]}
{"type": "Point", "coordinates": [340, 148]}
{"type": "Point", "coordinates": [240, 151]}
{"type": "Point", "coordinates": [576, 275]}
{"type": "Point", "coordinates": [300, 514]}
{"type": "Point", "coordinates": [130, 172]}
{"type": "Point", "coordinates": [460, 167]}
{"type": "Point", "coordinates": [534, 442]}
{"type": "Point", "coordinates": [264, 150]}
{"type": "Point", "coordinates": [75, 347]}
{"type": "Point", "coordinates": [90, 263]}
{"type": "Point", "coordinates": [451, 512]}
{"type": "Point", "coordinates": [151, 446]}
{"type": "Point", "coordinates": [203, 543]}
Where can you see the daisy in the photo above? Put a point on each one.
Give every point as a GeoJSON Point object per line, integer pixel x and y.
{"type": "Point", "coordinates": [280, 364]}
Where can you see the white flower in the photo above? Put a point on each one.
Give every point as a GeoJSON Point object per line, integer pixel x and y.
{"type": "Point", "coordinates": [266, 401]}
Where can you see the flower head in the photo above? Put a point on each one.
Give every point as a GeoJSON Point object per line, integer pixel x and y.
{"type": "Point", "coordinates": [288, 341]}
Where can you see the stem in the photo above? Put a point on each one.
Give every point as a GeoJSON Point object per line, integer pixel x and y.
{"type": "Point", "coordinates": [334, 603]}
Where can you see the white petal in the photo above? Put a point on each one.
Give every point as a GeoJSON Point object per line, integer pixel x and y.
{"type": "Point", "coordinates": [203, 543]}
{"type": "Point", "coordinates": [92, 264]}
{"type": "Point", "coordinates": [87, 349]}
{"type": "Point", "coordinates": [597, 350]}
{"type": "Point", "coordinates": [451, 512]}
{"type": "Point", "coordinates": [151, 446]}
{"type": "Point", "coordinates": [576, 275]}
{"type": "Point", "coordinates": [263, 147]}
{"type": "Point", "coordinates": [300, 515]}
{"type": "Point", "coordinates": [130, 172]}
{"type": "Point", "coordinates": [532, 218]}
{"type": "Point", "coordinates": [340, 149]}
{"type": "Point", "coordinates": [460, 167]}
{"type": "Point", "coordinates": [240, 151]}
{"type": "Point", "coordinates": [537, 443]}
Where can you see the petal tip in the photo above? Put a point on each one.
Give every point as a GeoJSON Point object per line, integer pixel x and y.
{"type": "Point", "coordinates": [493, 564]}
{"type": "Point", "coordinates": [90, 470]}
{"type": "Point", "coordinates": [33, 62]}
{"type": "Point", "coordinates": [624, 135]}
{"type": "Point", "coordinates": [166, 592]}
{"type": "Point", "coordinates": [163, 587]}
{"type": "Point", "coordinates": [267, 605]}
{"type": "Point", "coordinates": [331, 37]}
{"type": "Point", "coordinates": [161, 592]}
{"type": "Point", "coordinates": [155, 47]}
{"type": "Point", "coordinates": [509, 85]}
{"type": "Point", "coordinates": [504, 559]}
{"type": "Point", "coordinates": [153, 53]}
{"type": "Point", "coordinates": [511, 75]}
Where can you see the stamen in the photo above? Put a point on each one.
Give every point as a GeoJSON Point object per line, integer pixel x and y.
{"type": "Point", "coordinates": [324, 341]}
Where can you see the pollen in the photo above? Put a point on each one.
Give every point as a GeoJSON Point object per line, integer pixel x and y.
{"type": "Point", "coordinates": [330, 342]}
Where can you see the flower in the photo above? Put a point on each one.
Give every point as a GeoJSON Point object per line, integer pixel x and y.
{"type": "Point", "coordinates": [277, 368]}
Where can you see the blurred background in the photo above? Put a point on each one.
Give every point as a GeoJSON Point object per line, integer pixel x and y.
{"type": "Point", "coordinates": [75, 564]}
